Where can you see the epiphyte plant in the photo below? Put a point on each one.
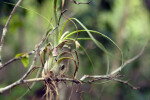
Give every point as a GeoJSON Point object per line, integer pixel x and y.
{"type": "Point", "coordinates": [57, 57]}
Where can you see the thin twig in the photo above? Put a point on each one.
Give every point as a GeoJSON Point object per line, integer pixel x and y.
{"type": "Point", "coordinates": [6, 26]}
{"type": "Point", "coordinates": [101, 78]}
{"type": "Point", "coordinates": [93, 76]}
{"type": "Point", "coordinates": [81, 2]}
{"type": "Point", "coordinates": [77, 65]}
{"type": "Point", "coordinates": [14, 59]}
{"type": "Point", "coordinates": [107, 77]}
{"type": "Point", "coordinates": [18, 83]}
{"type": "Point", "coordinates": [129, 61]}
{"type": "Point", "coordinates": [36, 80]}
{"type": "Point", "coordinates": [62, 12]}
{"type": "Point", "coordinates": [127, 83]}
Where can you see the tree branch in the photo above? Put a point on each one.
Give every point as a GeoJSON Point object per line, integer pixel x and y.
{"type": "Point", "coordinates": [5, 28]}
{"type": "Point", "coordinates": [64, 79]}
{"type": "Point", "coordinates": [36, 80]}
{"type": "Point", "coordinates": [130, 60]}
{"type": "Point", "coordinates": [14, 59]}
{"type": "Point", "coordinates": [81, 2]}
{"type": "Point", "coordinates": [127, 83]}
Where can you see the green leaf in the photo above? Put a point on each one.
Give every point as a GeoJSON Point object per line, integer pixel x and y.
{"type": "Point", "coordinates": [46, 19]}
{"type": "Point", "coordinates": [63, 58]}
{"type": "Point", "coordinates": [60, 34]}
{"type": "Point", "coordinates": [19, 55]}
{"type": "Point", "coordinates": [25, 61]}
{"type": "Point", "coordinates": [24, 58]}
{"type": "Point", "coordinates": [94, 40]}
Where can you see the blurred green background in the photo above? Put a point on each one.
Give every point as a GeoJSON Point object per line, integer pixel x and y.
{"type": "Point", "coordinates": [127, 22]}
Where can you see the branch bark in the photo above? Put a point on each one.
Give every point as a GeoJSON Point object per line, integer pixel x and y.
{"type": "Point", "coordinates": [35, 80]}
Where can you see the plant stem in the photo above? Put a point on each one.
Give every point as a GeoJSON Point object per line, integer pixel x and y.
{"type": "Point", "coordinates": [56, 22]}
